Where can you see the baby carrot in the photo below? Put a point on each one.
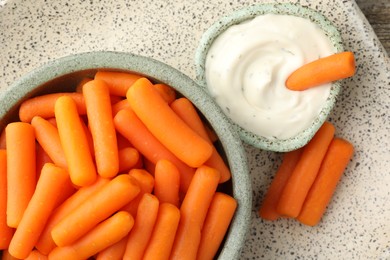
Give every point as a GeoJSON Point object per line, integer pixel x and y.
{"type": "Point", "coordinates": [118, 82]}
{"type": "Point", "coordinates": [5, 231]}
{"type": "Point", "coordinates": [36, 255]}
{"type": "Point", "coordinates": [143, 227]}
{"type": "Point", "coordinates": [167, 182]}
{"type": "Point", "coordinates": [44, 106]}
{"type": "Point", "coordinates": [166, 126]}
{"type": "Point", "coordinates": [21, 170]}
{"type": "Point", "coordinates": [46, 243]}
{"type": "Point", "coordinates": [164, 231]}
{"type": "Point", "coordinates": [268, 207]}
{"type": "Point", "coordinates": [166, 92]}
{"type": "Point", "coordinates": [146, 183]}
{"type": "Point", "coordinates": [74, 142]}
{"type": "Point", "coordinates": [48, 137]}
{"type": "Point", "coordinates": [119, 106]}
{"type": "Point", "coordinates": [187, 112]}
{"type": "Point", "coordinates": [107, 200]}
{"type": "Point", "coordinates": [101, 125]}
{"type": "Point", "coordinates": [217, 222]}
{"type": "Point", "coordinates": [128, 158]}
{"type": "Point", "coordinates": [336, 160]}
{"type": "Point", "coordinates": [105, 234]}
{"type": "Point", "coordinates": [38, 210]}
{"type": "Point", "coordinates": [129, 125]}
{"type": "Point", "coordinates": [324, 70]}
{"type": "Point", "coordinates": [113, 252]}
{"type": "Point", "coordinates": [305, 172]}
{"type": "Point", "coordinates": [193, 212]}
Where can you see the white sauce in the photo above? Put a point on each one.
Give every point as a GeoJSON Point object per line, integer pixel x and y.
{"type": "Point", "coordinates": [248, 64]}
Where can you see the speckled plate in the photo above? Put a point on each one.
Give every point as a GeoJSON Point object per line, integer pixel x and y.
{"type": "Point", "coordinates": [356, 224]}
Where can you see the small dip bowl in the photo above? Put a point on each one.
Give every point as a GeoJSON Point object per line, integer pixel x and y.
{"type": "Point", "coordinates": [303, 137]}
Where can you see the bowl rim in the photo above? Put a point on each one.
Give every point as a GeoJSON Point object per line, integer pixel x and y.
{"type": "Point", "coordinates": [247, 13]}
{"type": "Point", "coordinates": [231, 143]}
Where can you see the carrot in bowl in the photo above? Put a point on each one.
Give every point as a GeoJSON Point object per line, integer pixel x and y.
{"type": "Point", "coordinates": [118, 82]}
{"type": "Point", "coordinates": [324, 70]}
{"type": "Point", "coordinates": [5, 231]}
{"type": "Point", "coordinates": [335, 161]}
{"type": "Point", "coordinates": [167, 182]}
{"type": "Point", "coordinates": [166, 126]}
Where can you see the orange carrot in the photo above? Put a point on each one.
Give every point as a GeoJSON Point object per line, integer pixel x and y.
{"type": "Point", "coordinates": [166, 126]}
{"type": "Point", "coordinates": [128, 158]}
{"type": "Point", "coordinates": [88, 135]}
{"type": "Point", "coordinates": [38, 210]}
{"type": "Point", "coordinates": [336, 160]}
{"type": "Point", "coordinates": [36, 255]}
{"type": "Point", "coordinates": [163, 235]}
{"type": "Point", "coordinates": [324, 70]}
{"type": "Point", "coordinates": [105, 234]}
{"type": "Point", "coordinates": [74, 142]}
{"type": "Point", "coordinates": [44, 106]}
{"type": "Point", "coordinates": [119, 106]}
{"type": "Point", "coordinates": [48, 137]}
{"type": "Point", "coordinates": [110, 198]}
{"type": "Point", "coordinates": [41, 159]}
{"type": "Point", "coordinates": [80, 85]}
{"type": "Point", "coordinates": [143, 227]}
{"type": "Point", "coordinates": [21, 170]}
{"type": "Point", "coordinates": [166, 92]}
{"type": "Point", "coordinates": [97, 101]}
{"type": "Point", "coordinates": [46, 243]}
{"type": "Point", "coordinates": [167, 182]}
{"type": "Point", "coordinates": [268, 207]}
{"type": "Point", "coordinates": [217, 222]}
{"type": "Point", "coordinates": [146, 183]}
{"type": "Point", "coordinates": [187, 112]}
{"type": "Point", "coordinates": [122, 141]}
{"type": "Point", "coordinates": [113, 252]}
{"type": "Point", "coordinates": [5, 231]}
{"type": "Point", "coordinates": [129, 125]}
{"type": "Point", "coordinates": [118, 82]}
{"type": "Point", "coordinates": [305, 172]}
{"type": "Point", "coordinates": [193, 212]}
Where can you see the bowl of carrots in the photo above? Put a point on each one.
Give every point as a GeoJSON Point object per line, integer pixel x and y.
{"type": "Point", "coordinates": [121, 152]}
{"type": "Point", "coordinates": [339, 66]}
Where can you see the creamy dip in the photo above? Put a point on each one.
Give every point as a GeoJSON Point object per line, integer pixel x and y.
{"type": "Point", "coordinates": [248, 64]}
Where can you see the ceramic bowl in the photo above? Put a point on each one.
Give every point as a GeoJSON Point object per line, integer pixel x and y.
{"type": "Point", "coordinates": [64, 74]}
{"type": "Point", "coordinates": [302, 138]}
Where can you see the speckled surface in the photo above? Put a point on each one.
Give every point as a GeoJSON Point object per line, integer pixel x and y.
{"type": "Point", "coordinates": [357, 223]}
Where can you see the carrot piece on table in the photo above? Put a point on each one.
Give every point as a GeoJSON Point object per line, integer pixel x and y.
{"type": "Point", "coordinates": [114, 252]}
{"type": "Point", "coordinates": [107, 200]}
{"type": "Point", "coordinates": [305, 172]}
{"type": "Point", "coordinates": [187, 112]}
{"type": "Point", "coordinates": [268, 207]}
{"type": "Point", "coordinates": [217, 222]}
{"type": "Point", "coordinates": [324, 70]}
{"type": "Point", "coordinates": [101, 125]}
{"type": "Point", "coordinates": [130, 126]}
{"type": "Point", "coordinates": [167, 182]}
{"type": "Point", "coordinates": [143, 227]}
{"type": "Point", "coordinates": [36, 255]}
{"type": "Point", "coordinates": [5, 231]}
{"type": "Point", "coordinates": [80, 85]}
{"type": "Point", "coordinates": [48, 137]}
{"type": "Point", "coordinates": [21, 170]}
{"type": "Point", "coordinates": [46, 243]}
{"type": "Point", "coordinates": [74, 142]}
{"type": "Point", "coordinates": [193, 212]}
{"type": "Point", "coordinates": [166, 126]}
{"type": "Point", "coordinates": [44, 106]}
{"type": "Point", "coordinates": [128, 158]}
{"type": "Point", "coordinates": [336, 160]}
{"type": "Point", "coordinates": [146, 183]}
{"type": "Point", "coordinates": [105, 234]}
{"type": "Point", "coordinates": [166, 92]}
{"type": "Point", "coordinates": [118, 82]}
{"type": "Point", "coordinates": [38, 210]}
{"type": "Point", "coordinates": [123, 104]}
{"type": "Point", "coordinates": [164, 231]}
